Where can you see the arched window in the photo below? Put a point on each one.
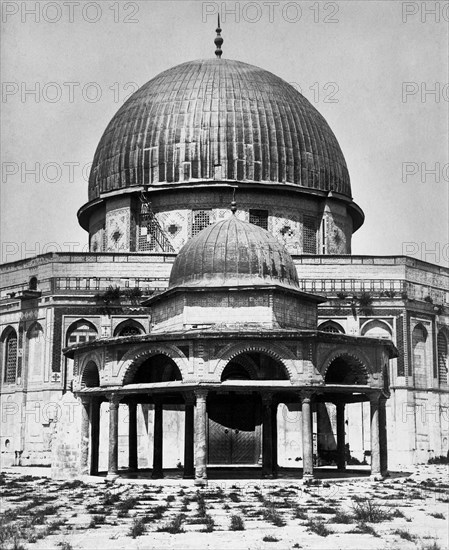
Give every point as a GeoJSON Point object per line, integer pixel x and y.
{"type": "Point", "coordinates": [79, 332]}
{"type": "Point", "coordinates": [157, 368]}
{"type": "Point", "coordinates": [35, 351]}
{"type": "Point", "coordinates": [129, 328]}
{"type": "Point", "coordinates": [376, 329]}
{"type": "Point", "coordinates": [442, 345]}
{"type": "Point", "coordinates": [346, 370]}
{"type": "Point", "coordinates": [419, 347]}
{"type": "Point", "coordinates": [9, 342]}
{"type": "Point", "coordinates": [331, 326]}
{"type": "Point", "coordinates": [91, 377]}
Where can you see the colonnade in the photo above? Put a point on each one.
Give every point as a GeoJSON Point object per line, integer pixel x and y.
{"type": "Point", "coordinates": [195, 436]}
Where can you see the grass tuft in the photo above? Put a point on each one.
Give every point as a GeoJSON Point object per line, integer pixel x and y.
{"type": "Point", "coordinates": [137, 528]}
{"type": "Point", "coordinates": [237, 524]}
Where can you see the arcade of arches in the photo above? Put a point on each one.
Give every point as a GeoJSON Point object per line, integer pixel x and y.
{"type": "Point", "coordinates": [232, 421]}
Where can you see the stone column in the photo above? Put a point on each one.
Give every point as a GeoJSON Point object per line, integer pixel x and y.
{"type": "Point", "coordinates": [341, 461]}
{"type": "Point", "coordinates": [307, 436]}
{"type": "Point", "coordinates": [189, 466]}
{"type": "Point", "coordinates": [157, 440]}
{"type": "Point", "coordinates": [200, 438]}
{"type": "Point", "coordinates": [114, 403]}
{"type": "Point", "coordinates": [267, 435]}
{"type": "Point", "coordinates": [375, 440]}
{"type": "Point", "coordinates": [383, 437]}
{"type": "Point", "coordinates": [132, 437]}
{"type": "Point", "coordinates": [274, 427]}
{"type": "Point", "coordinates": [85, 435]}
{"type": "Point", "coordinates": [95, 435]}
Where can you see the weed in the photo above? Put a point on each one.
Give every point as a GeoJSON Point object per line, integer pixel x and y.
{"type": "Point", "coordinates": [404, 534]}
{"type": "Point", "coordinates": [365, 510]}
{"type": "Point", "coordinates": [234, 497]}
{"type": "Point", "coordinates": [342, 517]}
{"type": "Point", "coordinates": [398, 514]}
{"type": "Point", "coordinates": [269, 538]}
{"type": "Point", "coordinates": [438, 515]}
{"type": "Point", "coordinates": [300, 513]}
{"type": "Point", "coordinates": [158, 512]}
{"type": "Point", "coordinates": [174, 526]}
{"type": "Point", "coordinates": [318, 527]}
{"type": "Point", "coordinates": [270, 514]}
{"type": "Point", "coordinates": [237, 524]}
{"type": "Point", "coordinates": [110, 498]}
{"type": "Point", "coordinates": [137, 528]}
{"type": "Point", "coordinates": [210, 524]}
{"type": "Point", "coordinates": [170, 498]}
{"type": "Point", "coordinates": [364, 528]}
{"type": "Point", "coordinates": [127, 504]}
{"type": "Point", "coordinates": [325, 510]}
{"type": "Point", "coordinates": [97, 520]}
{"type": "Point", "coordinates": [65, 545]}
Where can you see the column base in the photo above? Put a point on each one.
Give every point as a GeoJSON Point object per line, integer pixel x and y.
{"type": "Point", "coordinates": [132, 469]}
{"type": "Point", "coordinates": [307, 477]}
{"type": "Point", "coordinates": [341, 468]}
{"type": "Point", "coordinates": [201, 482]}
{"type": "Point", "coordinates": [188, 476]}
{"type": "Point", "coordinates": [270, 475]}
{"type": "Point", "coordinates": [376, 477]}
{"type": "Point", "coordinates": [157, 474]}
{"type": "Point", "coordinates": [112, 476]}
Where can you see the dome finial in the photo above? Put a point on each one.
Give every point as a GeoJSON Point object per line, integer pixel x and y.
{"type": "Point", "coordinates": [218, 40]}
{"type": "Point", "coordinates": [233, 203]}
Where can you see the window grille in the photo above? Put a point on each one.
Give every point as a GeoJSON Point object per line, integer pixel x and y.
{"type": "Point", "coordinates": [442, 358]}
{"type": "Point", "coordinates": [309, 235]}
{"type": "Point", "coordinates": [129, 330]}
{"type": "Point", "coordinates": [10, 358]}
{"type": "Point", "coordinates": [259, 218]}
{"type": "Point", "coordinates": [201, 219]}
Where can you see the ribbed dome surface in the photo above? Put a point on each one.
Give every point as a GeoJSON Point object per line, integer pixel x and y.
{"type": "Point", "coordinates": [233, 253]}
{"type": "Point", "coordinates": [218, 119]}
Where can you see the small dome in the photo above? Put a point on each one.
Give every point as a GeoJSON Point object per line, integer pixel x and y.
{"type": "Point", "coordinates": [233, 253]}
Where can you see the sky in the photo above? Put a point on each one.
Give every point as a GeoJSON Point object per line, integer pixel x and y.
{"type": "Point", "coordinates": [376, 70]}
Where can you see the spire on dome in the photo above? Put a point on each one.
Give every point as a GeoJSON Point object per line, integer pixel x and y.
{"type": "Point", "coordinates": [233, 203]}
{"type": "Point", "coordinates": [218, 40]}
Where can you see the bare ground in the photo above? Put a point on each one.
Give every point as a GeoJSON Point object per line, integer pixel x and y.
{"type": "Point", "coordinates": [402, 512]}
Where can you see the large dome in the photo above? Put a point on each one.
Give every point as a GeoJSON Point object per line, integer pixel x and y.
{"type": "Point", "coordinates": [233, 253]}
{"type": "Point", "coordinates": [218, 120]}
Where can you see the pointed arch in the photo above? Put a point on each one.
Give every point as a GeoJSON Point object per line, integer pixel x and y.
{"type": "Point", "coordinates": [9, 343]}
{"type": "Point", "coordinates": [284, 357]}
{"type": "Point", "coordinates": [35, 349]}
{"type": "Point", "coordinates": [346, 368]}
{"type": "Point", "coordinates": [376, 328]}
{"type": "Point", "coordinates": [90, 377]}
{"type": "Point", "coordinates": [331, 326]}
{"type": "Point", "coordinates": [137, 355]}
{"type": "Point", "coordinates": [129, 327]}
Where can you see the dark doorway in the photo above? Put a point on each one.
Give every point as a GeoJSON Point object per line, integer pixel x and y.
{"type": "Point", "coordinates": [234, 429]}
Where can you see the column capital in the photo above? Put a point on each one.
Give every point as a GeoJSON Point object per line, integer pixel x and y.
{"type": "Point", "coordinates": [306, 395]}
{"type": "Point", "coordinates": [114, 399]}
{"type": "Point", "coordinates": [201, 393]}
{"type": "Point", "coordinates": [267, 398]}
{"type": "Point", "coordinates": [374, 397]}
{"type": "Point", "coordinates": [189, 398]}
